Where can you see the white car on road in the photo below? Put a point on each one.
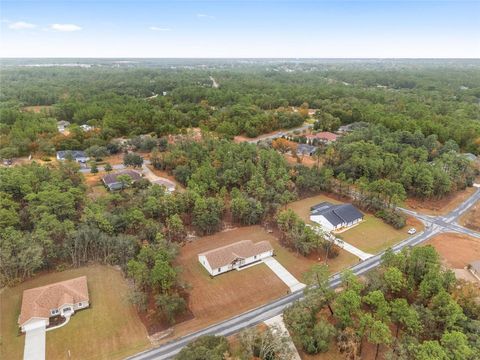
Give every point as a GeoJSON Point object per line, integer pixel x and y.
{"type": "Point", "coordinates": [412, 231]}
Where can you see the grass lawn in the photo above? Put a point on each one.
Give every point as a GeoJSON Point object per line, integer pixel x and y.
{"type": "Point", "coordinates": [372, 235]}
{"type": "Point", "coordinates": [109, 329]}
{"type": "Point", "coordinates": [215, 299]}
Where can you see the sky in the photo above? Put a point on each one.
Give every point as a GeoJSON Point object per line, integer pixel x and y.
{"type": "Point", "coordinates": [236, 29]}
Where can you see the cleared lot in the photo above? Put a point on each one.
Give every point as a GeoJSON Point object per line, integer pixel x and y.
{"type": "Point", "coordinates": [457, 250]}
{"type": "Point", "coordinates": [471, 219]}
{"type": "Point", "coordinates": [371, 236]}
{"type": "Point", "coordinates": [440, 206]}
{"type": "Point", "coordinates": [109, 329]}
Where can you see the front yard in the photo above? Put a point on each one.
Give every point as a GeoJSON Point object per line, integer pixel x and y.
{"type": "Point", "coordinates": [109, 329]}
{"type": "Point", "coordinates": [214, 299]}
{"type": "Point", "coordinates": [372, 235]}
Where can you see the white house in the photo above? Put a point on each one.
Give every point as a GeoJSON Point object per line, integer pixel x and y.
{"type": "Point", "coordinates": [335, 217]}
{"type": "Point", "coordinates": [86, 127]}
{"type": "Point", "coordinates": [234, 256]}
{"type": "Point", "coordinates": [58, 299]}
{"type": "Point", "coordinates": [76, 155]}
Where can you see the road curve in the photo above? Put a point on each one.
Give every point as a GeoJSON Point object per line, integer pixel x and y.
{"type": "Point", "coordinates": [435, 225]}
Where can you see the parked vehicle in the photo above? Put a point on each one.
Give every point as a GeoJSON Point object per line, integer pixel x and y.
{"type": "Point", "coordinates": [412, 231]}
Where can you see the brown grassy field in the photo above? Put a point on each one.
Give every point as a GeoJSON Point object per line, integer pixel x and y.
{"type": "Point", "coordinates": [372, 235]}
{"type": "Point", "coordinates": [471, 219]}
{"type": "Point", "coordinates": [441, 206]}
{"type": "Point", "coordinates": [109, 329]}
{"type": "Point", "coordinates": [37, 108]}
{"type": "Point", "coordinates": [212, 300]}
{"type": "Point", "coordinates": [457, 250]}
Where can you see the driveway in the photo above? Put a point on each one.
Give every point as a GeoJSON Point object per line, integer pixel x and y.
{"type": "Point", "coordinates": [34, 342]}
{"type": "Point", "coordinates": [283, 274]}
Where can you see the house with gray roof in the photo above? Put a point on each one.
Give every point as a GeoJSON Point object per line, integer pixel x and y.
{"type": "Point", "coordinates": [112, 182]}
{"type": "Point", "coordinates": [76, 155]}
{"type": "Point", "coordinates": [333, 217]}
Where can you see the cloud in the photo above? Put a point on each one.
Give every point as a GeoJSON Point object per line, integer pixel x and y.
{"type": "Point", "coordinates": [65, 27]}
{"type": "Point", "coordinates": [205, 16]}
{"type": "Point", "coordinates": [21, 25]}
{"type": "Point", "coordinates": [156, 28]}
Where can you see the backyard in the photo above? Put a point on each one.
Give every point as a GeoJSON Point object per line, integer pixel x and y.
{"type": "Point", "coordinates": [109, 329]}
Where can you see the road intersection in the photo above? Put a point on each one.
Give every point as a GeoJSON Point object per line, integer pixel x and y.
{"type": "Point", "coordinates": [433, 226]}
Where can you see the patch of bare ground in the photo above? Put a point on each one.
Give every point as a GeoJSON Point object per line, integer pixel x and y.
{"type": "Point", "coordinates": [456, 250]}
{"type": "Point", "coordinates": [471, 219]}
{"type": "Point", "coordinates": [440, 206]}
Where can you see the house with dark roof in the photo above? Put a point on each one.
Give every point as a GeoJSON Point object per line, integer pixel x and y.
{"type": "Point", "coordinates": [112, 182]}
{"type": "Point", "coordinates": [333, 217]}
{"type": "Point", "coordinates": [305, 149]}
{"type": "Point", "coordinates": [76, 155]}
{"type": "Point", "coordinates": [235, 256]}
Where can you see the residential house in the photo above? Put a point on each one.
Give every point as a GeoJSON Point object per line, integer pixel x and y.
{"type": "Point", "coordinates": [76, 155]}
{"type": "Point", "coordinates": [59, 299]}
{"type": "Point", "coordinates": [305, 149]}
{"type": "Point", "coordinates": [235, 256]}
{"type": "Point", "coordinates": [111, 180]}
{"type": "Point", "coordinates": [86, 127]}
{"type": "Point", "coordinates": [62, 125]}
{"type": "Point", "coordinates": [335, 217]}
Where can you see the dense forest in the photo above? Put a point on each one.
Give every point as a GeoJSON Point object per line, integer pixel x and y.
{"type": "Point", "coordinates": [440, 99]}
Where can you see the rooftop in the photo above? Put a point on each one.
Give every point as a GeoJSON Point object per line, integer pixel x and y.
{"type": "Point", "coordinates": [110, 179]}
{"type": "Point", "coordinates": [38, 302]}
{"type": "Point", "coordinates": [242, 249]}
{"type": "Point", "coordinates": [336, 214]}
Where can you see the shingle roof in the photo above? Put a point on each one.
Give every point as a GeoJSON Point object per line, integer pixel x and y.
{"type": "Point", "coordinates": [110, 179]}
{"type": "Point", "coordinates": [227, 254]}
{"type": "Point", "coordinates": [323, 135]}
{"type": "Point", "coordinates": [37, 302]}
{"type": "Point", "coordinates": [75, 154]}
{"type": "Point", "coordinates": [336, 214]}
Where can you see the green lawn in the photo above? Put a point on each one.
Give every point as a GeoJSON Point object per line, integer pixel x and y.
{"type": "Point", "coordinates": [372, 235]}
{"type": "Point", "coordinates": [109, 329]}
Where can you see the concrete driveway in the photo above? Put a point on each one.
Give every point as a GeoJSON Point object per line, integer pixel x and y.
{"type": "Point", "coordinates": [283, 274]}
{"type": "Point", "coordinates": [34, 341]}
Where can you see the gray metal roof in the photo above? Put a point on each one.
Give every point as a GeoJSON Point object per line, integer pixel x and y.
{"type": "Point", "coordinates": [76, 154]}
{"type": "Point", "coordinates": [337, 214]}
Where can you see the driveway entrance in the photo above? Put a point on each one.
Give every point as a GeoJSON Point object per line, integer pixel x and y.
{"type": "Point", "coordinates": [283, 274]}
{"type": "Point", "coordinates": [34, 341]}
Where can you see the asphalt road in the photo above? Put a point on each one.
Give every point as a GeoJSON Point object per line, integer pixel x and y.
{"type": "Point", "coordinates": [434, 226]}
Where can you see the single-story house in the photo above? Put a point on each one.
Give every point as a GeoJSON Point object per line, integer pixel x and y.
{"type": "Point", "coordinates": [86, 127]}
{"type": "Point", "coordinates": [62, 125]}
{"type": "Point", "coordinates": [334, 217]}
{"type": "Point", "coordinates": [305, 149]}
{"type": "Point", "coordinates": [58, 299]}
{"type": "Point", "coordinates": [325, 136]}
{"type": "Point", "coordinates": [235, 256]}
{"type": "Point", "coordinates": [77, 155]}
{"type": "Point", "coordinates": [111, 180]}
